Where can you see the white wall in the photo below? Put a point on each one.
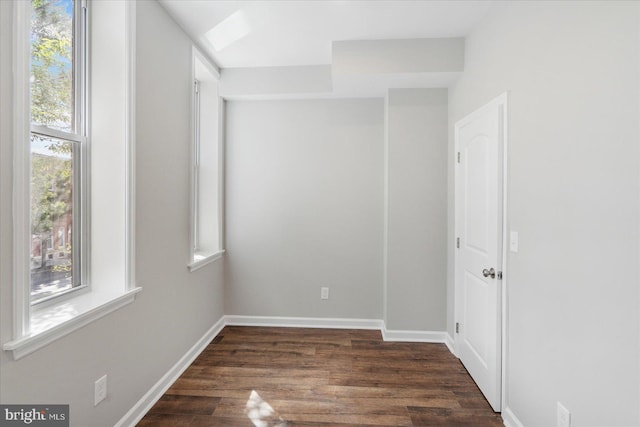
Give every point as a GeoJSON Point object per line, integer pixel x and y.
{"type": "Point", "coordinates": [417, 209]}
{"type": "Point", "coordinates": [571, 69]}
{"type": "Point", "coordinates": [304, 198]}
{"type": "Point", "coordinates": [135, 345]}
{"type": "Point", "coordinates": [403, 56]}
{"type": "Point", "coordinates": [275, 82]}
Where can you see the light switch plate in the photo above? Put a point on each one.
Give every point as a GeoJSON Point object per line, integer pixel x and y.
{"type": "Point", "coordinates": [100, 390]}
{"type": "Point", "coordinates": [564, 416]}
{"type": "Point", "coordinates": [513, 241]}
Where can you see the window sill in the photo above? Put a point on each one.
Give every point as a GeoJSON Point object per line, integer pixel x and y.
{"type": "Point", "coordinates": [57, 320]}
{"type": "Point", "coordinates": [202, 259]}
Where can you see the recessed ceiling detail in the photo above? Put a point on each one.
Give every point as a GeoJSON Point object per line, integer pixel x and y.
{"type": "Point", "coordinates": [296, 33]}
{"type": "Point", "coordinates": [358, 69]}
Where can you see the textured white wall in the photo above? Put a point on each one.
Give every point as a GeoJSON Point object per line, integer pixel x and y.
{"type": "Point", "coordinates": [571, 69]}
{"type": "Point", "coordinates": [417, 209]}
{"type": "Point", "coordinates": [304, 202]}
{"type": "Point", "coordinates": [135, 345]}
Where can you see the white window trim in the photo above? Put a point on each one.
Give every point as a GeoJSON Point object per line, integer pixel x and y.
{"type": "Point", "coordinates": [198, 259]}
{"type": "Point", "coordinates": [21, 164]}
{"type": "Point", "coordinates": [88, 306]}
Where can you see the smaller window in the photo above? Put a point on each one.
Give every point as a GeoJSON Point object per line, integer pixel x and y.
{"type": "Point", "coordinates": [206, 224]}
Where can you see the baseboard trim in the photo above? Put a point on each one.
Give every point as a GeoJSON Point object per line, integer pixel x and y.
{"type": "Point", "coordinates": [509, 418]}
{"type": "Point", "coordinates": [451, 344]}
{"type": "Point", "coordinates": [149, 399]}
{"type": "Point", "coordinates": [315, 322]}
{"type": "Point", "coordinates": [303, 322]}
{"type": "Point", "coordinates": [414, 336]}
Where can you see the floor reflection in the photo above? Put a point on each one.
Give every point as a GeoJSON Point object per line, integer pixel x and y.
{"type": "Point", "coordinates": [261, 413]}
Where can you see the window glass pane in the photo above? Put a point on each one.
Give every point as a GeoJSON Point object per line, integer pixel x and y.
{"type": "Point", "coordinates": [52, 71]}
{"type": "Point", "coordinates": [51, 217]}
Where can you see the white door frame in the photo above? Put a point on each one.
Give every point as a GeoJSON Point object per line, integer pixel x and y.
{"type": "Point", "coordinates": [502, 102]}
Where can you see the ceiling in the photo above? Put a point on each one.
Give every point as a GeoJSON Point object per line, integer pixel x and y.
{"type": "Point", "coordinates": [292, 33]}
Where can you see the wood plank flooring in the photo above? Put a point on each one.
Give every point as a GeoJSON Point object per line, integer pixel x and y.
{"type": "Point", "coordinates": [321, 377]}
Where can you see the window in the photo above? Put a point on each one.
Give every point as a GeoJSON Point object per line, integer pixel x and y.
{"type": "Point", "coordinates": [206, 224]}
{"type": "Point", "coordinates": [73, 178]}
{"type": "Point", "coordinates": [58, 147]}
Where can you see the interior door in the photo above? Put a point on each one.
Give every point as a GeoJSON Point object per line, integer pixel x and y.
{"type": "Point", "coordinates": [479, 207]}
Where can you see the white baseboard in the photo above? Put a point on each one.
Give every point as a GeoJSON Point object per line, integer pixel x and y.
{"type": "Point", "coordinates": [451, 344]}
{"type": "Point", "coordinates": [509, 419]}
{"type": "Point", "coordinates": [303, 322]}
{"type": "Point", "coordinates": [139, 410]}
{"type": "Point", "coordinates": [313, 322]}
{"type": "Point", "coordinates": [413, 336]}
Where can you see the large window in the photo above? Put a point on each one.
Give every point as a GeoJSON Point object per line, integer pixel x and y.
{"type": "Point", "coordinates": [206, 225]}
{"type": "Point", "coordinates": [58, 147]}
{"type": "Point", "coordinates": [73, 202]}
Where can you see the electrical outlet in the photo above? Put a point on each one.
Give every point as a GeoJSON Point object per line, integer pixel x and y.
{"type": "Point", "coordinates": [100, 390]}
{"type": "Point", "coordinates": [324, 293]}
{"type": "Point", "coordinates": [564, 416]}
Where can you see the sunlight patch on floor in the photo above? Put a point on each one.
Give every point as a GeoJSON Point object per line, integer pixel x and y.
{"type": "Point", "coordinates": [261, 413]}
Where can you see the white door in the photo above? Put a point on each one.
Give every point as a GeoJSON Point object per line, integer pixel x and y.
{"type": "Point", "coordinates": [478, 261]}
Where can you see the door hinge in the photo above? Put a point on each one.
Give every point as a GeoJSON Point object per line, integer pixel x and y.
{"type": "Point", "coordinates": [457, 328]}
{"type": "Point", "coordinates": [458, 242]}
{"type": "Point", "coordinates": [458, 157]}
{"type": "Point", "coordinates": [499, 275]}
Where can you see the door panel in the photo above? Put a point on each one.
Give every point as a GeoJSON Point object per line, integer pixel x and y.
{"type": "Point", "coordinates": [475, 219]}
{"type": "Point", "coordinates": [475, 290]}
{"type": "Point", "coordinates": [479, 227]}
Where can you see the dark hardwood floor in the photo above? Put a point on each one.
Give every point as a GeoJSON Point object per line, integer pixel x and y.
{"type": "Point", "coordinates": [319, 377]}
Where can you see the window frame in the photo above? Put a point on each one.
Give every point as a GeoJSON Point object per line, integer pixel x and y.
{"type": "Point", "coordinates": [197, 258]}
{"type": "Point", "coordinates": [196, 167]}
{"type": "Point", "coordinates": [80, 158]}
{"type": "Point", "coordinates": [86, 307]}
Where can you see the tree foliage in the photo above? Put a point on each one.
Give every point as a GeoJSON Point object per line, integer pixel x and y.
{"type": "Point", "coordinates": [51, 65]}
{"type": "Point", "coordinates": [50, 191]}
{"type": "Point", "coordinates": [51, 105]}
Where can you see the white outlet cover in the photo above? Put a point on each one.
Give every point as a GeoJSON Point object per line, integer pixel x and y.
{"type": "Point", "coordinates": [324, 293]}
